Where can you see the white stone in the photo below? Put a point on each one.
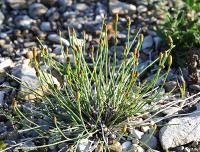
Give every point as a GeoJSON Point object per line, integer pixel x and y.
{"type": "Point", "coordinates": [7, 62]}
{"type": "Point", "coordinates": [83, 145]}
{"type": "Point", "coordinates": [126, 146]}
{"type": "Point", "coordinates": [180, 131]}
{"type": "Point", "coordinates": [56, 39]}
{"type": "Point", "coordinates": [144, 128]}
{"type": "Point", "coordinates": [122, 8]}
{"type": "Point", "coordinates": [136, 133]}
{"type": "Point", "coordinates": [136, 148]}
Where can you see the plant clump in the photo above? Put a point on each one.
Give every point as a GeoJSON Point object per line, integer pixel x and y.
{"type": "Point", "coordinates": [95, 99]}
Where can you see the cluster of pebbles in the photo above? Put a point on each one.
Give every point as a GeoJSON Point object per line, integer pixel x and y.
{"type": "Point", "coordinates": [22, 22]}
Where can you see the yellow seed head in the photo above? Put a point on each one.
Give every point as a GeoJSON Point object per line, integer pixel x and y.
{"type": "Point", "coordinates": [162, 66]}
{"type": "Point", "coordinates": [170, 60]}
{"type": "Point", "coordinates": [170, 40]}
{"type": "Point", "coordinates": [60, 33]}
{"type": "Point", "coordinates": [67, 51]}
{"type": "Point", "coordinates": [124, 129]}
{"type": "Point", "coordinates": [161, 56]}
{"type": "Point", "coordinates": [129, 21]}
{"type": "Point", "coordinates": [116, 18]}
{"type": "Point", "coordinates": [14, 103]}
{"type": "Point", "coordinates": [141, 39]}
{"type": "Point", "coordinates": [34, 52]}
{"type": "Point", "coordinates": [134, 74]}
{"type": "Point", "coordinates": [77, 95]}
{"type": "Point", "coordinates": [165, 55]}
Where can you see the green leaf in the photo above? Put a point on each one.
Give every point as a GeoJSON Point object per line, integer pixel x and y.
{"type": "Point", "coordinates": [2, 145]}
{"type": "Point", "coordinates": [196, 7]}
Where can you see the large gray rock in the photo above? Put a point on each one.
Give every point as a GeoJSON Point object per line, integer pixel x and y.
{"type": "Point", "coordinates": [148, 42]}
{"type": "Point", "coordinates": [180, 131]}
{"type": "Point", "coordinates": [122, 8]}
{"type": "Point", "coordinates": [28, 76]}
{"type": "Point", "coordinates": [1, 17]}
{"type": "Point", "coordinates": [36, 10]}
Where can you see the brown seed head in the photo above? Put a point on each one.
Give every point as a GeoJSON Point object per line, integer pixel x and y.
{"type": "Point", "coordinates": [54, 120]}
{"type": "Point", "coordinates": [46, 51]}
{"type": "Point", "coordinates": [14, 103]}
{"type": "Point", "coordinates": [68, 60]}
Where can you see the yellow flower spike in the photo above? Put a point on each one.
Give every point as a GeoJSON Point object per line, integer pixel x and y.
{"type": "Point", "coordinates": [162, 66]}
{"type": "Point", "coordinates": [74, 32]}
{"type": "Point", "coordinates": [170, 40]}
{"type": "Point", "coordinates": [129, 21]}
{"type": "Point", "coordinates": [116, 18]}
{"type": "Point", "coordinates": [161, 56]}
{"type": "Point", "coordinates": [34, 52]}
{"type": "Point", "coordinates": [124, 129]}
{"type": "Point", "coordinates": [141, 38]}
{"type": "Point", "coordinates": [170, 60]}
{"type": "Point", "coordinates": [134, 74]}
{"type": "Point", "coordinates": [67, 51]}
{"type": "Point", "coordinates": [14, 103]}
{"type": "Point", "coordinates": [54, 120]}
{"type": "Point", "coordinates": [165, 55]}
{"type": "Point", "coordinates": [60, 33]}
{"type": "Point", "coordinates": [135, 52]}
{"type": "Point", "coordinates": [77, 95]}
